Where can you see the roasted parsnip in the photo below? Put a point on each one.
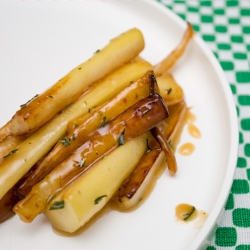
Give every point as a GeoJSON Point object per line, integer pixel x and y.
{"type": "Point", "coordinates": [75, 204]}
{"type": "Point", "coordinates": [170, 90]}
{"type": "Point", "coordinates": [10, 143]}
{"type": "Point", "coordinates": [40, 143]}
{"type": "Point", "coordinates": [136, 91]}
{"type": "Point", "coordinates": [134, 187]}
{"type": "Point", "coordinates": [42, 108]}
{"type": "Point", "coordinates": [167, 63]}
{"type": "Point", "coordinates": [171, 127]}
{"type": "Point", "coordinates": [147, 112]}
{"type": "Point", "coordinates": [171, 161]}
{"type": "Point", "coordinates": [7, 203]}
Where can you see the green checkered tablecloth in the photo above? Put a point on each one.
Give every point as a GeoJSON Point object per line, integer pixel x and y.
{"type": "Point", "coordinates": [225, 27]}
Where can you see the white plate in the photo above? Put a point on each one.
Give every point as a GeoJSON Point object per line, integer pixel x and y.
{"type": "Point", "coordinates": [42, 40]}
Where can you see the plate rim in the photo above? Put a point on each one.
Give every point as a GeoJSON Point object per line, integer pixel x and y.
{"type": "Point", "coordinates": [201, 237]}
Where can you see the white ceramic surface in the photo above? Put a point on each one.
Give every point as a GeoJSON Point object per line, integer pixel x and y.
{"type": "Point", "coordinates": [40, 41]}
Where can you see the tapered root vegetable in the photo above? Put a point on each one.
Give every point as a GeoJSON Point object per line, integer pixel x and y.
{"type": "Point", "coordinates": [147, 112]}
{"type": "Point", "coordinates": [10, 143]}
{"type": "Point", "coordinates": [4, 131]}
{"type": "Point", "coordinates": [74, 205]}
{"type": "Point", "coordinates": [7, 203]}
{"type": "Point", "coordinates": [166, 64]}
{"type": "Point", "coordinates": [171, 128]}
{"type": "Point", "coordinates": [43, 107]}
{"type": "Point", "coordinates": [40, 143]}
{"type": "Point", "coordinates": [171, 92]}
{"type": "Point", "coordinates": [171, 161]}
{"type": "Point", "coordinates": [135, 186]}
{"type": "Point", "coordinates": [136, 91]}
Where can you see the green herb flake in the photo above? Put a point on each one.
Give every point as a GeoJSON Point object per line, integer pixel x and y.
{"type": "Point", "coordinates": [104, 156]}
{"type": "Point", "coordinates": [97, 51]}
{"type": "Point", "coordinates": [73, 137]}
{"type": "Point", "coordinates": [57, 205]}
{"type": "Point", "coordinates": [81, 163]}
{"type": "Point", "coordinates": [11, 152]}
{"type": "Point", "coordinates": [79, 68]}
{"type": "Point", "coordinates": [103, 122]}
{"type": "Point", "coordinates": [85, 103]}
{"type": "Point", "coordinates": [51, 96]}
{"type": "Point", "coordinates": [25, 104]}
{"type": "Point", "coordinates": [97, 200]}
{"type": "Point", "coordinates": [169, 91]}
{"type": "Point", "coordinates": [121, 140]}
{"type": "Point", "coordinates": [100, 113]}
{"type": "Point", "coordinates": [75, 126]}
{"type": "Point", "coordinates": [89, 110]}
{"type": "Point", "coordinates": [65, 142]}
{"type": "Point", "coordinates": [171, 145]}
{"type": "Point", "coordinates": [188, 215]}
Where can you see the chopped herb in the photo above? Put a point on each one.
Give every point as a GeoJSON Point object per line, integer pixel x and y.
{"type": "Point", "coordinates": [121, 138]}
{"type": "Point", "coordinates": [103, 122]}
{"type": "Point", "coordinates": [171, 144]}
{"type": "Point", "coordinates": [188, 215]}
{"type": "Point", "coordinates": [75, 126]}
{"type": "Point", "coordinates": [25, 104]}
{"type": "Point", "coordinates": [100, 113]}
{"type": "Point", "coordinates": [97, 51]}
{"type": "Point", "coordinates": [85, 102]}
{"type": "Point", "coordinates": [120, 200]}
{"type": "Point", "coordinates": [11, 152]}
{"type": "Point", "coordinates": [57, 205]}
{"type": "Point", "coordinates": [73, 137]}
{"type": "Point", "coordinates": [131, 82]}
{"type": "Point", "coordinates": [65, 142]}
{"type": "Point", "coordinates": [79, 68]}
{"type": "Point", "coordinates": [169, 91]}
{"type": "Point", "coordinates": [51, 96]}
{"type": "Point", "coordinates": [82, 162]}
{"type": "Point", "coordinates": [96, 153]}
{"type": "Point", "coordinates": [89, 110]}
{"type": "Point", "coordinates": [97, 200]}
{"type": "Point", "coordinates": [104, 156]}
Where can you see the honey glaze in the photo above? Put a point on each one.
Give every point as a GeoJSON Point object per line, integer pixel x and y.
{"type": "Point", "coordinates": [186, 213]}
{"type": "Point", "coordinates": [114, 204]}
{"type": "Point", "coordinates": [194, 131]}
{"type": "Point", "coordinates": [186, 149]}
{"type": "Point", "coordinates": [104, 211]}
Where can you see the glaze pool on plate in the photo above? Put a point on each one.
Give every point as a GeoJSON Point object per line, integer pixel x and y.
{"type": "Point", "coordinates": [43, 40]}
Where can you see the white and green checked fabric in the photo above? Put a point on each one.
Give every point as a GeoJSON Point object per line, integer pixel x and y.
{"type": "Point", "coordinates": [225, 27]}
